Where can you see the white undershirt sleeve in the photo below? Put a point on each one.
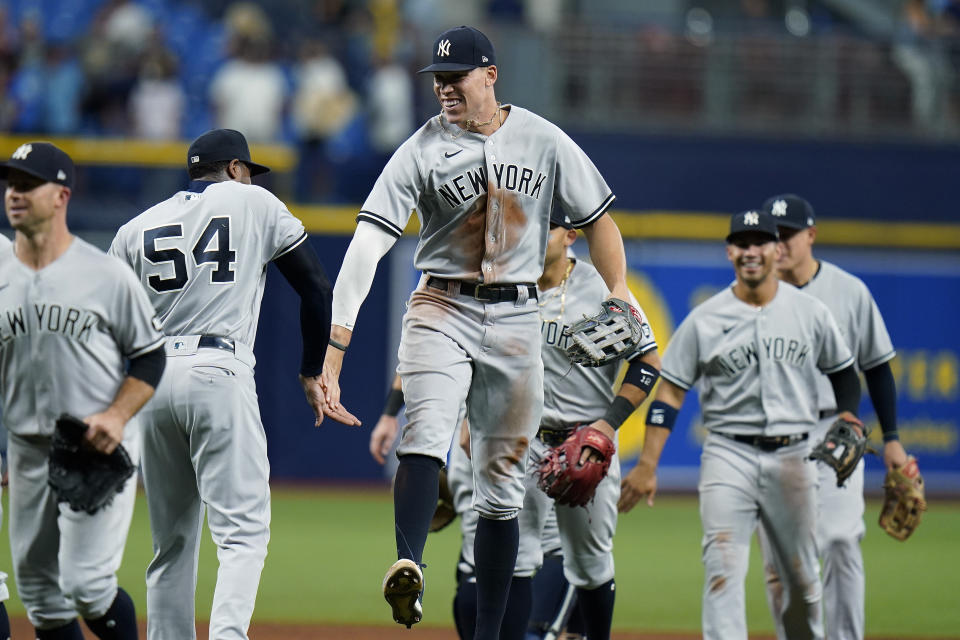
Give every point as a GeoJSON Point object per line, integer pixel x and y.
{"type": "Point", "coordinates": [369, 244]}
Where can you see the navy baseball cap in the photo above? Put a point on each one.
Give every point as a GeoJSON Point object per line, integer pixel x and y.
{"type": "Point", "coordinates": [42, 160]}
{"type": "Point", "coordinates": [559, 219]}
{"type": "Point", "coordinates": [789, 210]}
{"type": "Point", "coordinates": [218, 145]}
{"type": "Point", "coordinates": [753, 222]}
{"type": "Point", "coordinates": [461, 49]}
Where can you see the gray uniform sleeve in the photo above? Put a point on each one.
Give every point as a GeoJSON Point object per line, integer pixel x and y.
{"type": "Point", "coordinates": [648, 341]}
{"type": "Point", "coordinates": [834, 353]}
{"type": "Point", "coordinates": [581, 190]}
{"type": "Point", "coordinates": [396, 192]}
{"type": "Point", "coordinates": [133, 321]}
{"type": "Point", "coordinates": [283, 230]}
{"type": "Point", "coordinates": [874, 346]}
{"type": "Point", "coordinates": [681, 361]}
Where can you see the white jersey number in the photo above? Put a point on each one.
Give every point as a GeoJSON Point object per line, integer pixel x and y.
{"type": "Point", "coordinates": [222, 255]}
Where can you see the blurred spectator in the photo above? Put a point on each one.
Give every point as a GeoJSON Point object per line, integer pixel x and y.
{"type": "Point", "coordinates": [248, 92]}
{"type": "Point", "coordinates": [323, 105]}
{"type": "Point", "coordinates": [246, 21]}
{"type": "Point", "coordinates": [127, 27]}
{"type": "Point", "coordinates": [111, 68]}
{"type": "Point", "coordinates": [390, 106]}
{"type": "Point", "coordinates": [157, 102]}
{"type": "Point", "coordinates": [63, 90]}
{"type": "Point", "coordinates": [922, 60]}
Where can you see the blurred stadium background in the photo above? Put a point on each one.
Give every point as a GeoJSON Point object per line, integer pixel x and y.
{"type": "Point", "coordinates": [692, 109]}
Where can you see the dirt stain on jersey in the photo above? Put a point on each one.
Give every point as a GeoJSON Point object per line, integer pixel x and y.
{"type": "Point", "coordinates": [506, 224]}
{"type": "Point", "coordinates": [468, 241]}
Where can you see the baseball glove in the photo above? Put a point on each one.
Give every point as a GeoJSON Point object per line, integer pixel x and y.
{"type": "Point", "coordinates": [607, 337]}
{"type": "Point", "coordinates": [81, 476]}
{"type": "Point", "coordinates": [842, 448]}
{"type": "Point", "coordinates": [444, 513]}
{"type": "Point", "coordinates": [904, 500]}
{"type": "Point", "coordinates": [563, 478]}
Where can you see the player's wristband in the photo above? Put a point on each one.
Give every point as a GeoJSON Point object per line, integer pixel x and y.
{"type": "Point", "coordinates": [641, 375]}
{"type": "Point", "coordinates": [337, 345]}
{"type": "Point", "coordinates": [618, 411]}
{"type": "Point", "coordinates": [393, 402]}
{"type": "Point", "coordinates": [661, 415]}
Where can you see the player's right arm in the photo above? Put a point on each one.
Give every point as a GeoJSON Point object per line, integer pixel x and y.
{"type": "Point", "coordinates": [370, 243]}
{"type": "Point", "coordinates": [642, 479]}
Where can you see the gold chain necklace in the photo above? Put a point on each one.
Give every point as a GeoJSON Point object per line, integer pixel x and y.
{"type": "Point", "coordinates": [562, 294]}
{"type": "Point", "coordinates": [471, 124]}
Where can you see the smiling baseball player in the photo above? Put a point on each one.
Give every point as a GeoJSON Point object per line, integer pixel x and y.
{"type": "Point", "coordinates": [202, 256]}
{"type": "Point", "coordinates": [71, 318]}
{"type": "Point", "coordinates": [756, 350]}
{"type": "Point", "coordinates": [840, 522]}
{"type": "Point", "coordinates": [483, 178]}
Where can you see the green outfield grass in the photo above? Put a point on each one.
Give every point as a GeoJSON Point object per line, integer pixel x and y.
{"type": "Point", "coordinates": [330, 548]}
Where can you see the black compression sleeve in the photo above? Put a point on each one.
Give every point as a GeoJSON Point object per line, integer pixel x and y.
{"type": "Point", "coordinates": [883, 394]}
{"type": "Point", "coordinates": [846, 389]}
{"type": "Point", "coordinates": [149, 366]}
{"type": "Point", "coordinates": [302, 269]}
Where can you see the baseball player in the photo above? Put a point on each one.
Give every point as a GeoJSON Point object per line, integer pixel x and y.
{"type": "Point", "coordinates": [756, 350]}
{"type": "Point", "coordinates": [201, 256]}
{"type": "Point", "coordinates": [483, 178]}
{"type": "Point", "coordinates": [78, 336]}
{"type": "Point", "coordinates": [573, 396]}
{"type": "Point", "coordinates": [840, 519]}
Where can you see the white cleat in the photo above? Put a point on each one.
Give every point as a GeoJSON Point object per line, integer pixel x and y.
{"type": "Point", "coordinates": [402, 588]}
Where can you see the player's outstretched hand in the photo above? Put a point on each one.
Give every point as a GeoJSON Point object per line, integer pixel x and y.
{"type": "Point", "coordinates": [640, 482]}
{"type": "Point", "coordinates": [382, 437]}
{"type": "Point", "coordinates": [104, 431]}
{"type": "Point", "coordinates": [330, 378]}
{"type": "Point", "coordinates": [589, 454]}
{"type": "Point", "coordinates": [315, 391]}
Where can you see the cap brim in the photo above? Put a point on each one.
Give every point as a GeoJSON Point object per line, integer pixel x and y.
{"type": "Point", "coordinates": [447, 66]}
{"type": "Point", "coordinates": [5, 170]}
{"type": "Point", "coordinates": [773, 238]}
{"type": "Point", "coordinates": [790, 224]}
{"type": "Point", "coordinates": [256, 169]}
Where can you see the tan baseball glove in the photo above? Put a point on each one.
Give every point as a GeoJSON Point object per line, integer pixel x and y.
{"type": "Point", "coordinates": [904, 500]}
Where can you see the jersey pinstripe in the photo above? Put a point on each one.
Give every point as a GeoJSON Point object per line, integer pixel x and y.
{"type": "Point", "coordinates": [202, 256]}
{"type": "Point", "coordinates": [758, 369]}
{"type": "Point", "coordinates": [66, 332]}
{"type": "Point", "coordinates": [858, 317]}
{"type": "Point", "coordinates": [572, 393]}
{"type": "Point", "coordinates": [484, 202]}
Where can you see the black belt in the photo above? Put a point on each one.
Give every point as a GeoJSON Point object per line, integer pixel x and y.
{"type": "Point", "coordinates": [217, 342]}
{"type": "Point", "coordinates": [486, 292]}
{"type": "Point", "coordinates": [767, 443]}
{"type": "Point", "coordinates": [827, 414]}
{"type": "Point", "coordinates": [555, 437]}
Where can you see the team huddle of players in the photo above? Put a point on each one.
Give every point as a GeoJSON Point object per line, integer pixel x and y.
{"type": "Point", "coordinates": [484, 369]}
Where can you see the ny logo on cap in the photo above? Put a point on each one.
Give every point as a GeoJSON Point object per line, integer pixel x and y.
{"type": "Point", "coordinates": [443, 48]}
{"type": "Point", "coordinates": [751, 218]}
{"type": "Point", "coordinates": [779, 208]}
{"type": "Point", "coordinates": [22, 152]}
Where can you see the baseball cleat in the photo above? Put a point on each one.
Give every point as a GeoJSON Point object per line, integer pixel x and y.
{"type": "Point", "coordinates": [402, 588]}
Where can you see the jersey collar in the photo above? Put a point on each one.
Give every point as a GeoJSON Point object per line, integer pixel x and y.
{"type": "Point", "coordinates": [197, 186]}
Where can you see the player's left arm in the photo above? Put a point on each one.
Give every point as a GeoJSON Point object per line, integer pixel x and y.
{"type": "Point", "coordinates": [608, 255]}
{"type": "Point", "coordinates": [883, 395]}
{"type": "Point", "coordinates": [105, 430]}
{"type": "Point", "coordinates": [641, 375]}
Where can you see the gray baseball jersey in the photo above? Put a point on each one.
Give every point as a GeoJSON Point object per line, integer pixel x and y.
{"type": "Point", "coordinates": [85, 314]}
{"type": "Point", "coordinates": [571, 393]}
{"type": "Point", "coordinates": [858, 317]}
{"type": "Point", "coordinates": [202, 256]}
{"type": "Point", "coordinates": [66, 332]}
{"type": "Point", "coordinates": [574, 395]}
{"type": "Point", "coordinates": [758, 368]}
{"type": "Point", "coordinates": [484, 202]}
{"type": "Point", "coordinates": [203, 265]}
